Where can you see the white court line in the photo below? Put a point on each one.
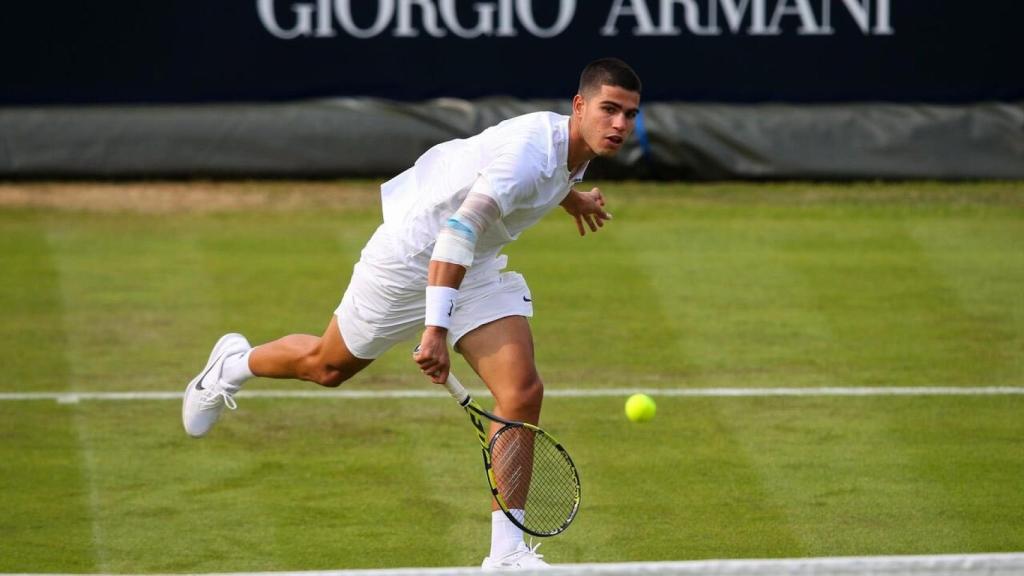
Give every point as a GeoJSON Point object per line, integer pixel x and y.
{"type": "Point", "coordinates": [944, 565]}
{"type": "Point", "coordinates": [73, 397]}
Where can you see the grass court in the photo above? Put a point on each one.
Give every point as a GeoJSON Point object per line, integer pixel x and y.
{"type": "Point", "coordinates": [124, 287]}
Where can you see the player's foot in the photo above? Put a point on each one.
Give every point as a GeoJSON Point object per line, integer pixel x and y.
{"type": "Point", "coordinates": [206, 396]}
{"type": "Point", "coordinates": [522, 558]}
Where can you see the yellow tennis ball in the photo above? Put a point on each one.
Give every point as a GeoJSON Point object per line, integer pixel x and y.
{"type": "Point", "coordinates": [640, 408]}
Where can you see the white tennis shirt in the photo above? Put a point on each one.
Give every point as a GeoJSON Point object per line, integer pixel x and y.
{"type": "Point", "coordinates": [524, 164]}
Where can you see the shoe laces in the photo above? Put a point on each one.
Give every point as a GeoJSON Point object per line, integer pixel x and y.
{"type": "Point", "coordinates": [214, 397]}
{"type": "Point", "coordinates": [526, 550]}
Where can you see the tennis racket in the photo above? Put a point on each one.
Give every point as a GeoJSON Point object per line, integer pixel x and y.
{"type": "Point", "coordinates": [532, 477]}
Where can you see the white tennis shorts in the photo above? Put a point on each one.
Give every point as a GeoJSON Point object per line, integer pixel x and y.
{"type": "Point", "coordinates": [385, 300]}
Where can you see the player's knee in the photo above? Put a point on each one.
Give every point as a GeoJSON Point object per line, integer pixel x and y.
{"type": "Point", "coordinates": [533, 392]}
{"type": "Point", "coordinates": [329, 376]}
{"type": "Point", "coordinates": [315, 367]}
{"type": "Point", "coordinates": [523, 394]}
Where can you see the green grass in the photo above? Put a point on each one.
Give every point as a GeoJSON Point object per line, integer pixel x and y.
{"type": "Point", "coordinates": [729, 285]}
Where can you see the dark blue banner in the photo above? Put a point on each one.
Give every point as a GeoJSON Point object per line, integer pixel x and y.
{"type": "Point", "coordinates": [946, 51]}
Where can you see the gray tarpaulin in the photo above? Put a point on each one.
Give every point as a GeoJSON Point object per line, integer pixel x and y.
{"type": "Point", "coordinates": [368, 137]}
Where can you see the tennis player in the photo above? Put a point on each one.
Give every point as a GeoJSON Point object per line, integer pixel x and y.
{"type": "Point", "coordinates": [434, 268]}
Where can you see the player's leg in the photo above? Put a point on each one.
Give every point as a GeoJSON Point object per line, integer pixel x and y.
{"type": "Point", "coordinates": [501, 353]}
{"type": "Point", "coordinates": [382, 306]}
{"type": "Point", "coordinates": [373, 316]}
{"type": "Point", "coordinates": [490, 329]}
{"type": "Point", "coordinates": [325, 360]}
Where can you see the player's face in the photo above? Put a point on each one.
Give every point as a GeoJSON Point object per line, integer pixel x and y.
{"type": "Point", "coordinates": [606, 118]}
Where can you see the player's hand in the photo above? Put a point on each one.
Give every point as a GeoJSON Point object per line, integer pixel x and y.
{"type": "Point", "coordinates": [432, 354]}
{"type": "Point", "coordinates": [587, 208]}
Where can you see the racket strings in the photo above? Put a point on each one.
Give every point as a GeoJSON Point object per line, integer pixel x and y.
{"type": "Point", "coordinates": [534, 474]}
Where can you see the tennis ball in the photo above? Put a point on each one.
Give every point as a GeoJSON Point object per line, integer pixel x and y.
{"type": "Point", "coordinates": [640, 408]}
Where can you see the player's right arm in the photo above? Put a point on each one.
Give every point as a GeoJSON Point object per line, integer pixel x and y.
{"type": "Point", "coordinates": [453, 255]}
{"type": "Point", "coordinates": [443, 281]}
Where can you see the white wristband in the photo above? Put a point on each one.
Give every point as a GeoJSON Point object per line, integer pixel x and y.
{"type": "Point", "coordinates": [440, 305]}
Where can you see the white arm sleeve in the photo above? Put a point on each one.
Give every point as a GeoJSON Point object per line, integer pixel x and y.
{"type": "Point", "coordinates": [457, 241]}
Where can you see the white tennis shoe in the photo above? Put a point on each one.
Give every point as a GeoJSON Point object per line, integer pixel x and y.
{"type": "Point", "coordinates": [522, 558]}
{"type": "Point", "coordinates": [206, 397]}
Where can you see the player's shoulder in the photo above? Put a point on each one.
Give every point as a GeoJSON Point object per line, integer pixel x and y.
{"type": "Point", "coordinates": [533, 137]}
{"type": "Point", "coordinates": [543, 125]}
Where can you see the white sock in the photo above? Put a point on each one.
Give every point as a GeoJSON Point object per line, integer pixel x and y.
{"type": "Point", "coordinates": [236, 371]}
{"type": "Point", "coordinates": [505, 536]}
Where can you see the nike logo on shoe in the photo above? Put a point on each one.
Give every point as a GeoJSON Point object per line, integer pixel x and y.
{"type": "Point", "coordinates": [199, 382]}
{"type": "Point", "coordinates": [525, 299]}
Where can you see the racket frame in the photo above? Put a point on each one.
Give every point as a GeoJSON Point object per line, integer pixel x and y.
{"type": "Point", "coordinates": [462, 396]}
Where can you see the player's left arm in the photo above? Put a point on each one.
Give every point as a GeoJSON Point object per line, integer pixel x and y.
{"type": "Point", "coordinates": [586, 207]}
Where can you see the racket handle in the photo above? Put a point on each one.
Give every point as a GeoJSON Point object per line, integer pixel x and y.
{"type": "Point", "coordinates": [456, 389]}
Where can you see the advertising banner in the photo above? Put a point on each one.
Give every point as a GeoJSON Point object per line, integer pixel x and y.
{"type": "Point", "coordinates": [721, 51]}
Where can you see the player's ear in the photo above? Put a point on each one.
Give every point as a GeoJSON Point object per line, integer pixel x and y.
{"type": "Point", "coordinates": [578, 103]}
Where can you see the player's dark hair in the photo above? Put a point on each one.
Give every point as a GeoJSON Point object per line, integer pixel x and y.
{"type": "Point", "coordinates": [608, 72]}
